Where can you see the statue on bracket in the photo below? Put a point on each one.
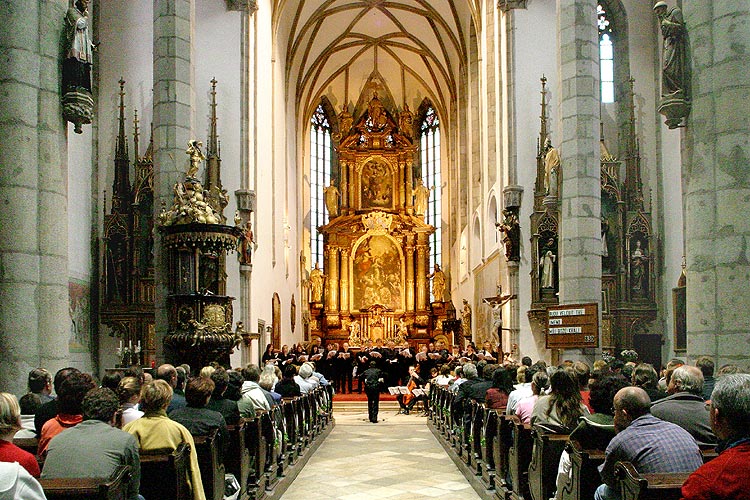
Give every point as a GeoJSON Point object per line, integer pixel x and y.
{"type": "Point", "coordinates": [638, 267]}
{"type": "Point", "coordinates": [421, 195]}
{"type": "Point", "coordinates": [78, 102]}
{"type": "Point", "coordinates": [511, 228]}
{"type": "Point", "coordinates": [551, 169]}
{"type": "Point", "coordinates": [316, 284]}
{"type": "Point", "coordinates": [331, 195]}
{"type": "Point", "coordinates": [438, 283]}
{"type": "Point", "coordinates": [406, 122]}
{"type": "Point", "coordinates": [246, 244]}
{"type": "Point", "coordinates": [675, 103]}
{"type": "Point", "coordinates": [466, 320]}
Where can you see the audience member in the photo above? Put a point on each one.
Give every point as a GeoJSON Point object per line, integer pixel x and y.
{"type": "Point", "coordinates": [69, 397]}
{"type": "Point", "coordinates": [40, 383]}
{"type": "Point", "coordinates": [728, 369]}
{"type": "Point", "coordinates": [253, 397]}
{"type": "Point", "coordinates": [444, 379]}
{"type": "Point", "coordinates": [234, 389]}
{"type": "Point", "coordinates": [219, 402]}
{"type": "Point", "coordinates": [169, 374]}
{"type": "Point", "coordinates": [685, 406]}
{"type": "Point", "coordinates": [706, 366]}
{"type": "Point", "coordinates": [650, 444]}
{"type": "Point", "coordinates": [48, 410]}
{"type": "Point", "coordinates": [525, 407]}
{"type": "Point", "coordinates": [207, 371]}
{"type": "Point", "coordinates": [111, 381]}
{"type": "Point", "coordinates": [17, 484]}
{"type": "Point", "coordinates": [496, 397]}
{"type": "Point", "coordinates": [129, 394]}
{"type": "Point", "coordinates": [198, 419]}
{"type": "Point", "coordinates": [268, 380]}
{"type": "Point", "coordinates": [95, 448]}
{"type": "Point", "coordinates": [726, 477]}
{"type": "Point", "coordinates": [645, 377]}
{"type": "Point", "coordinates": [287, 387]}
{"type": "Point", "coordinates": [10, 424]}
{"type": "Point", "coordinates": [305, 380]}
{"type": "Point", "coordinates": [522, 388]}
{"type": "Point", "coordinates": [666, 373]}
{"type": "Point", "coordinates": [560, 409]}
{"type": "Point", "coordinates": [156, 431]}
{"type": "Point", "coordinates": [29, 403]}
{"type": "Point", "coordinates": [582, 373]}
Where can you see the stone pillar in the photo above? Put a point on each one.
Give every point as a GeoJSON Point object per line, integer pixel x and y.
{"type": "Point", "coordinates": [578, 123]}
{"type": "Point", "coordinates": [716, 159]}
{"type": "Point", "coordinates": [173, 125]}
{"type": "Point", "coordinates": [423, 293]}
{"type": "Point", "coordinates": [33, 176]}
{"type": "Point", "coordinates": [344, 287]}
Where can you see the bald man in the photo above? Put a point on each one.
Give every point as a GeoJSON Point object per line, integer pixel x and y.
{"type": "Point", "coordinates": [650, 444]}
{"type": "Point", "coordinates": [684, 405]}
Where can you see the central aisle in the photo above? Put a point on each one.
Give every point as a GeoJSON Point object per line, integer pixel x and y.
{"type": "Point", "coordinates": [397, 458]}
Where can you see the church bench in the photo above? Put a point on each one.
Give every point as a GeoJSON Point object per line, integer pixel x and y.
{"type": "Point", "coordinates": [545, 458]}
{"type": "Point", "coordinates": [256, 444]}
{"type": "Point", "coordinates": [237, 458]}
{"type": "Point", "coordinates": [653, 486]}
{"type": "Point", "coordinates": [164, 473]}
{"type": "Point", "coordinates": [27, 444]}
{"type": "Point", "coordinates": [211, 463]}
{"type": "Point", "coordinates": [114, 488]}
{"type": "Point", "coordinates": [490, 442]}
{"type": "Point", "coordinates": [584, 472]}
{"type": "Point", "coordinates": [478, 413]}
{"type": "Point", "coordinates": [271, 440]}
{"type": "Point", "coordinates": [501, 449]}
{"type": "Point", "coordinates": [289, 407]}
{"type": "Point", "coordinates": [519, 458]}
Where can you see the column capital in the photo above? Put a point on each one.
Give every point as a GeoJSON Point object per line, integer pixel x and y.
{"type": "Point", "coordinates": [249, 6]}
{"type": "Point", "coordinates": [506, 5]}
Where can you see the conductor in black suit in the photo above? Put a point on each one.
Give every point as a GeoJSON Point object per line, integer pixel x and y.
{"type": "Point", "coordinates": [373, 378]}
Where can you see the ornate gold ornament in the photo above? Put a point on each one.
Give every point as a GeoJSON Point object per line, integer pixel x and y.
{"type": "Point", "coordinates": [377, 223]}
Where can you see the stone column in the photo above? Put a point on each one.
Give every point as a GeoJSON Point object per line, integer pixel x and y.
{"type": "Point", "coordinates": [423, 293]}
{"type": "Point", "coordinates": [578, 124]}
{"type": "Point", "coordinates": [33, 176]}
{"type": "Point", "coordinates": [716, 160]}
{"type": "Point", "coordinates": [332, 280]}
{"type": "Point", "coordinates": [410, 272]}
{"type": "Point", "coordinates": [173, 125]}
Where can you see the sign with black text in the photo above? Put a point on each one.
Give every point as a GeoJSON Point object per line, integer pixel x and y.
{"type": "Point", "coordinates": [573, 325]}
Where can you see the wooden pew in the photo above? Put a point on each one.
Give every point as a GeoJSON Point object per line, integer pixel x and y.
{"type": "Point", "coordinates": [519, 458]}
{"type": "Point", "coordinates": [501, 451]}
{"type": "Point", "coordinates": [491, 429]}
{"type": "Point", "coordinates": [256, 443]}
{"type": "Point", "coordinates": [27, 444]}
{"type": "Point", "coordinates": [237, 459]}
{"type": "Point", "coordinates": [545, 458]}
{"type": "Point", "coordinates": [211, 462]}
{"type": "Point", "coordinates": [272, 447]}
{"type": "Point", "coordinates": [164, 473]}
{"type": "Point", "coordinates": [289, 408]}
{"type": "Point", "coordinates": [114, 488]}
{"type": "Point", "coordinates": [636, 486]}
{"type": "Point", "coordinates": [477, 436]}
{"type": "Point", "coordinates": [584, 472]}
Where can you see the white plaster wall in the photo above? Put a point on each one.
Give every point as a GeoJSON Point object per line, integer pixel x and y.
{"type": "Point", "coordinates": [79, 203]}
{"type": "Point", "coordinates": [534, 54]}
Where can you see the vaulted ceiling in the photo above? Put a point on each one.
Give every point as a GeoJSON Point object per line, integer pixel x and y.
{"type": "Point", "coordinates": [332, 47]}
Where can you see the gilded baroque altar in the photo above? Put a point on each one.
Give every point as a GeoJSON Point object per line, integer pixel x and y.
{"type": "Point", "coordinates": [376, 245]}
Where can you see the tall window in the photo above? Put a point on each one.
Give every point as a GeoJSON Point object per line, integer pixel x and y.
{"type": "Point", "coordinates": [606, 56]}
{"type": "Point", "coordinates": [430, 150]}
{"type": "Point", "coordinates": [320, 177]}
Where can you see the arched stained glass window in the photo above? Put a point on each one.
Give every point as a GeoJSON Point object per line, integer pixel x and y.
{"type": "Point", "coordinates": [606, 56]}
{"type": "Point", "coordinates": [429, 145]}
{"type": "Point", "coordinates": [321, 150]}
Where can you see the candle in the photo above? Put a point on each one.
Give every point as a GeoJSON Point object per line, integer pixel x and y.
{"type": "Point", "coordinates": [139, 344]}
{"type": "Point", "coordinates": [130, 345]}
{"type": "Point", "coordinates": [121, 344]}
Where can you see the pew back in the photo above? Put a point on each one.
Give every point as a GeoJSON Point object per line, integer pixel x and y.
{"type": "Point", "coordinates": [114, 488]}
{"type": "Point", "coordinates": [164, 473]}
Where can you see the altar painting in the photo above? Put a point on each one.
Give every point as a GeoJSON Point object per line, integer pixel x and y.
{"type": "Point", "coordinates": [376, 185]}
{"type": "Point", "coordinates": [377, 274]}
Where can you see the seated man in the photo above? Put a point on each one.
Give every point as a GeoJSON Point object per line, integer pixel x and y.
{"type": "Point", "coordinates": [650, 444]}
{"type": "Point", "coordinates": [219, 402]}
{"type": "Point", "coordinates": [253, 397]}
{"type": "Point", "coordinates": [728, 475]}
{"type": "Point", "coordinates": [95, 448]}
{"type": "Point", "coordinates": [684, 405]}
{"type": "Point", "coordinates": [198, 419]}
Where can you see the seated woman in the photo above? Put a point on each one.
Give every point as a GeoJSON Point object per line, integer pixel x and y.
{"type": "Point", "coordinates": [539, 384]}
{"type": "Point", "coordinates": [407, 401]}
{"type": "Point", "coordinates": [10, 424]}
{"type": "Point", "coordinates": [502, 385]}
{"type": "Point", "coordinates": [156, 431]}
{"type": "Point", "coordinates": [560, 410]}
{"type": "Point", "coordinates": [198, 419]}
{"type": "Point", "coordinates": [287, 387]}
{"type": "Point", "coordinates": [129, 392]}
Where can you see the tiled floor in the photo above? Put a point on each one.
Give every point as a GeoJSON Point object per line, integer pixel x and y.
{"type": "Point", "coordinates": [397, 458]}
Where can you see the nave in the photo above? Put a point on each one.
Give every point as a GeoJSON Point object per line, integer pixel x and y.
{"type": "Point", "coordinates": [397, 458]}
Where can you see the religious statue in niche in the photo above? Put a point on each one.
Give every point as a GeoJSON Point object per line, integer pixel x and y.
{"type": "Point", "coordinates": [466, 320]}
{"type": "Point", "coordinates": [511, 229]}
{"type": "Point", "coordinates": [438, 283]}
{"type": "Point", "coordinates": [421, 195]}
{"type": "Point", "coordinates": [377, 274]}
{"type": "Point", "coordinates": [246, 244]}
{"type": "Point", "coordinates": [605, 244]}
{"type": "Point", "coordinates": [331, 196]}
{"type": "Point", "coordinates": [551, 169]}
{"type": "Point", "coordinates": [638, 270]}
{"type": "Point", "coordinates": [316, 284]}
{"type": "Point", "coordinates": [78, 103]}
{"type": "Point", "coordinates": [548, 265]}
{"type": "Point", "coordinates": [376, 186]}
{"type": "Point", "coordinates": [377, 119]}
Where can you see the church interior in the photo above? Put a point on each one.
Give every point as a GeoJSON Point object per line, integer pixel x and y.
{"type": "Point", "coordinates": [252, 172]}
